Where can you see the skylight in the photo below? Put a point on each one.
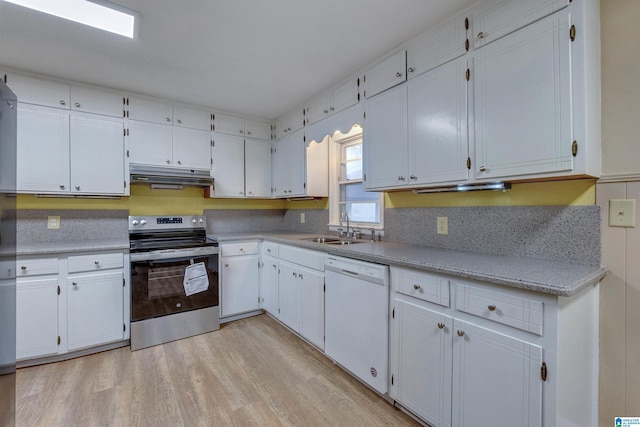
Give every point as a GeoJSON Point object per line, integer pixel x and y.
{"type": "Point", "coordinates": [99, 14]}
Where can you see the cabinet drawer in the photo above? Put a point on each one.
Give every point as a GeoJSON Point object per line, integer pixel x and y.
{"type": "Point", "coordinates": [36, 266]}
{"type": "Point", "coordinates": [95, 262]}
{"type": "Point", "coordinates": [270, 248]}
{"type": "Point", "coordinates": [304, 257]}
{"type": "Point", "coordinates": [513, 310]}
{"type": "Point", "coordinates": [244, 248]}
{"type": "Point", "coordinates": [425, 286]}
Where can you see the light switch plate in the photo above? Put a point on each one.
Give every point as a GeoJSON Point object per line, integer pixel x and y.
{"type": "Point", "coordinates": [301, 217]}
{"type": "Point", "coordinates": [622, 213]}
{"type": "Point", "coordinates": [53, 223]}
{"type": "Point", "coordinates": [443, 225]}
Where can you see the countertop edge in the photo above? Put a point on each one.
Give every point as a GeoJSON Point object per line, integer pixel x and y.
{"type": "Point", "coordinates": [56, 248]}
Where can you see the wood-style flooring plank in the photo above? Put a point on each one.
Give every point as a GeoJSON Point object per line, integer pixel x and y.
{"type": "Point", "coordinates": [252, 372]}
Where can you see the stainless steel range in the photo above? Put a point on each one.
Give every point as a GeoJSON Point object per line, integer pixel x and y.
{"type": "Point", "coordinates": [174, 279]}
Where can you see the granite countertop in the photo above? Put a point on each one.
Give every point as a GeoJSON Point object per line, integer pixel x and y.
{"type": "Point", "coordinates": [44, 248]}
{"type": "Point", "coordinates": [556, 278]}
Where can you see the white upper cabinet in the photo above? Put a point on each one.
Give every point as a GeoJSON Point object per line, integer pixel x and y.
{"type": "Point", "coordinates": [192, 118]}
{"type": "Point", "coordinates": [387, 73]}
{"type": "Point", "coordinates": [32, 90]}
{"type": "Point", "coordinates": [150, 144]}
{"type": "Point", "coordinates": [228, 166]}
{"type": "Point", "coordinates": [333, 101]}
{"type": "Point", "coordinates": [437, 125]}
{"type": "Point", "coordinates": [443, 43]}
{"type": "Point", "coordinates": [149, 110]}
{"type": "Point", "coordinates": [191, 148]}
{"type": "Point", "coordinates": [496, 18]}
{"type": "Point", "coordinates": [257, 166]}
{"type": "Point", "coordinates": [522, 92]}
{"type": "Point", "coordinates": [290, 123]}
{"type": "Point", "coordinates": [238, 126]}
{"type": "Point", "coordinates": [90, 100]}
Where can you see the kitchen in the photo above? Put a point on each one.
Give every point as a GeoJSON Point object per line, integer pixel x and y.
{"type": "Point", "coordinates": [510, 209]}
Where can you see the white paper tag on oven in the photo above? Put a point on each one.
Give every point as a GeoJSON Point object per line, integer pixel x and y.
{"type": "Point", "coordinates": [195, 279]}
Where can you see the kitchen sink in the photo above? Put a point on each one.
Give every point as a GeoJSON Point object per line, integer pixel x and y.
{"type": "Point", "coordinates": [331, 240]}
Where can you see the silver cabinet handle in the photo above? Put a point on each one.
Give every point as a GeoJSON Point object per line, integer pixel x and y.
{"type": "Point", "coordinates": [492, 307]}
{"type": "Point", "coordinates": [401, 178]}
{"type": "Point", "coordinates": [168, 161]}
{"type": "Point", "coordinates": [62, 186]}
{"type": "Point", "coordinates": [179, 162]}
{"type": "Point", "coordinates": [77, 187]}
{"type": "Point", "coordinates": [441, 325]}
{"type": "Point", "coordinates": [294, 274]}
{"type": "Point", "coordinates": [411, 69]}
{"type": "Point", "coordinates": [74, 283]}
{"type": "Point", "coordinates": [301, 276]}
{"type": "Point", "coordinates": [77, 105]}
{"type": "Point", "coordinates": [326, 111]}
{"type": "Point", "coordinates": [289, 129]}
{"type": "Point", "coordinates": [241, 131]}
{"type": "Point", "coordinates": [460, 333]}
{"type": "Point", "coordinates": [248, 132]}
{"type": "Point", "coordinates": [413, 177]}
{"type": "Point", "coordinates": [179, 121]}
{"type": "Point", "coordinates": [96, 262]}
{"type": "Point", "coordinates": [416, 287]}
{"type": "Point", "coordinates": [398, 74]}
{"type": "Point", "coordinates": [481, 35]}
{"type": "Point", "coordinates": [483, 168]}
{"type": "Point", "coordinates": [23, 268]}
{"type": "Point", "coordinates": [62, 102]}
{"type": "Point", "coordinates": [168, 119]}
{"type": "Point", "coordinates": [226, 265]}
{"type": "Point", "coordinates": [250, 192]}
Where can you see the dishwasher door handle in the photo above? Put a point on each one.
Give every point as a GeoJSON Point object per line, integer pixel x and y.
{"type": "Point", "coordinates": [353, 273]}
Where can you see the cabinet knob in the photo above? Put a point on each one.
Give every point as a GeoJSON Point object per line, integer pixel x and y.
{"type": "Point", "coordinates": [413, 177]}
{"type": "Point", "coordinates": [400, 178]}
{"type": "Point", "coordinates": [62, 102]}
{"type": "Point", "coordinates": [23, 268]}
{"type": "Point", "coordinates": [492, 307]}
{"type": "Point", "coordinates": [326, 111]}
{"type": "Point", "coordinates": [179, 121]}
{"type": "Point", "coordinates": [96, 262]}
{"type": "Point", "coordinates": [179, 162]}
{"type": "Point", "coordinates": [294, 274]}
{"type": "Point", "coordinates": [331, 109]}
{"type": "Point", "coordinates": [301, 275]}
{"type": "Point", "coordinates": [74, 283]}
{"type": "Point", "coordinates": [248, 132]}
{"type": "Point", "coordinates": [460, 333]}
{"type": "Point", "coordinates": [241, 131]}
{"type": "Point", "coordinates": [77, 104]}
{"type": "Point", "coordinates": [398, 74]}
{"type": "Point", "coordinates": [441, 325]}
{"type": "Point", "coordinates": [483, 168]}
{"type": "Point", "coordinates": [77, 187]}
{"type": "Point", "coordinates": [481, 35]}
{"type": "Point", "coordinates": [226, 265]}
{"type": "Point", "coordinates": [168, 162]}
{"type": "Point", "coordinates": [168, 119]}
{"type": "Point", "coordinates": [411, 69]}
{"type": "Point", "coordinates": [416, 287]}
{"type": "Point", "coordinates": [62, 186]}
{"type": "Point", "coordinates": [289, 129]}
{"type": "Point", "coordinates": [269, 250]}
{"type": "Point", "coordinates": [250, 192]}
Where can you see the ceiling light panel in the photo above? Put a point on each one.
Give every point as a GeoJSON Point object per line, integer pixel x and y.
{"type": "Point", "coordinates": [98, 14]}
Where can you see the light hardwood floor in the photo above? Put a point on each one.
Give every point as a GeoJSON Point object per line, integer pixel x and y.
{"type": "Point", "coordinates": [252, 372]}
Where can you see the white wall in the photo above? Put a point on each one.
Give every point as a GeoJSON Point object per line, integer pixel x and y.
{"type": "Point", "coordinates": [620, 290]}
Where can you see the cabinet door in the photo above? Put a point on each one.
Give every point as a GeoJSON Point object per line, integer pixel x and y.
{"type": "Point", "coordinates": [32, 90]}
{"type": "Point", "coordinates": [269, 285]}
{"type": "Point", "coordinates": [437, 46]}
{"type": "Point", "coordinates": [496, 378]}
{"type": "Point", "coordinates": [522, 85]}
{"type": "Point", "coordinates": [95, 305]}
{"type": "Point", "coordinates": [239, 284]}
{"type": "Point", "coordinates": [385, 140]}
{"type": "Point", "coordinates": [344, 96]}
{"type": "Point", "coordinates": [279, 168]}
{"type": "Point", "coordinates": [43, 149]}
{"type": "Point", "coordinates": [229, 124]}
{"type": "Point", "coordinates": [437, 125]}
{"type": "Point", "coordinates": [228, 166]}
{"type": "Point", "coordinates": [290, 123]}
{"type": "Point", "coordinates": [97, 101]}
{"type": "Point", "coordinates": [150, 144]}
{"type": "Point", "coordinates": [316, 110]}
{"type": "Point", "coordinates": [95, 142]}
{"type": "Point", "coordinates": [296, 164]}
{"type": "Point", "coordinates": [422, 361]}
{"type": "Point", "coordinates": [496, 18]}
{"type": "Point", "coordinates": [150, 110]}
{"type": "Point", "coordinates": [288, 295]}
{"type": "Point", "coordinates": [257, 130]}
{"type": "Point", "coordinates": [36, 317]}
{"type": "Point", "coordinates": [311, 298]}
{"type": "Point", "coordinates": [257, 158]}
{"type": "Point", "coordinates": [387, 73]}
{"type": "Point", "coordinates": [191, 148]}
{"type": "Point", "coordinates": [191, 118]}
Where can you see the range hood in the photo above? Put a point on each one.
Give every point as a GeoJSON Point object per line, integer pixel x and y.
{"type": "Point", "coordinates": [170, 177]}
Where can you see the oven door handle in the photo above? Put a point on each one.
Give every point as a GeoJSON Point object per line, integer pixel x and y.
{"type": "Point", "coordinates": [172, 255]}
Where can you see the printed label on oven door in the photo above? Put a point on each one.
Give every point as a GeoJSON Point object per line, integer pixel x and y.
{"type": "Point", "coordinates": [195, 279]}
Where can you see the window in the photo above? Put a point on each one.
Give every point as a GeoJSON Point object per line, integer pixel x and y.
{"type": "Point", "coordinates": [347, 197]}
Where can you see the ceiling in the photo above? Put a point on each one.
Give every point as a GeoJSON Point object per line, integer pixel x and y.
{"type": "Point", "coordinates": [256, 58]}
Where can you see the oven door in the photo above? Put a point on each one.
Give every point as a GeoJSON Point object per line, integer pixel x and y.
{"type": "Point", "coordinates": [157, 286]}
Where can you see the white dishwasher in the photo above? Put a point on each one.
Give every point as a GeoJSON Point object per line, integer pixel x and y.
{"type": "Point", "coordinates": [357, 318]}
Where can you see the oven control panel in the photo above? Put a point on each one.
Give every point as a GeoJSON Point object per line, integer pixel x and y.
{"type": "Point", "coordinates": [151, 222]}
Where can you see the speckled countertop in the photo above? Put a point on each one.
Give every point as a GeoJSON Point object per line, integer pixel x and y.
{"type": "Point", "coordinates": [554, 278]}
{"type": "Point", "coordinates": [44, 248]}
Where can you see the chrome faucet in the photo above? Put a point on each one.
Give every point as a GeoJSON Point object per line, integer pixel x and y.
{"type": "Point", "coordinates": [343, 215]}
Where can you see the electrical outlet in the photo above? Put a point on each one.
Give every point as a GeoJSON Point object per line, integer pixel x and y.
{"type": "Point", "coordinates": [53, 223]}
{"type": "Point", "coordinates": [622, 213]}
{"type": "Point", "coordinates": [443, 225]}
{"type": "Point", "coordinates": [301, 217]}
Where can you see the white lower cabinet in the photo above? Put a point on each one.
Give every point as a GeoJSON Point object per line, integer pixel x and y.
{"type": "Point", "coordinates": [269, 284]}
{"type": "Point", "coordinates": [67, 303]}
{"type": "Point", "coordinates": [467, 353]}
{"type": "Point", "coordinates": [239, 278]}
